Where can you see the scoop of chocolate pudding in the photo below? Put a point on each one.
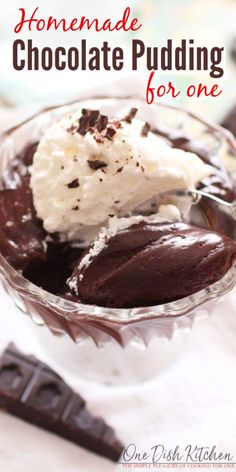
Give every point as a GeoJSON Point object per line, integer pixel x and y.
{"type": "Point", "coordinates": [230, 121]}
{"type": "Point", "coordinates": [152, 263]}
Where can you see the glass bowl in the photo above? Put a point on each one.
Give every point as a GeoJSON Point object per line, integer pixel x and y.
{"type": "Point", "coordinates": [136, 326]}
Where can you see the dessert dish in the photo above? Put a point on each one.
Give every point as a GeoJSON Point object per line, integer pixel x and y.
{"type": "Point", "coordinates": [87, 170]}
{"type": "Point", "coordinates": [32, 391]}
{"type": "Point", "coordinates": [72, 175]}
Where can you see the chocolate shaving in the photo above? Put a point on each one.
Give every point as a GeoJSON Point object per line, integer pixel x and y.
{"type": "Point", "coordinates": [96, 164]}
{"type": "Point", "coordinates": [145, 130]}
{"type": "Point", "coordinates": [87, 120]}
{"type": "Point", "coordinates": [119, 170]}
{"type": "Point", "coordinates": [73, 184]}
{"type": "Point", "coordinates": [76, 208]}
{"type": "Point", "coordinates": [116, 123]}
{"type": "Point", "coordinates": [110, 133]}
{"type": "Point", "coordinates": [130, 116]}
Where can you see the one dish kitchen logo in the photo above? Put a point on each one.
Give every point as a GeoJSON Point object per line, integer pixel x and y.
{"type": "Point", "coordinates": [190, 456]}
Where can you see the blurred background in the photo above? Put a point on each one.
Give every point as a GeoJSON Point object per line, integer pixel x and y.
{"type": "Point", "coordinates": [208, 22]}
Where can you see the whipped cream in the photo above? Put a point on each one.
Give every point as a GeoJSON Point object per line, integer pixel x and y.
{"type": "Point", "coordinates": [81, 177]}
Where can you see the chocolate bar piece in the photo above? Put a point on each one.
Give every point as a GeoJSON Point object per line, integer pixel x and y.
{"type": "Point", "coordinates": [32, 391]}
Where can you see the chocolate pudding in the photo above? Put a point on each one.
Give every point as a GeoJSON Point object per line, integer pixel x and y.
{"type": "Point", "coordinates": [145, 264]}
